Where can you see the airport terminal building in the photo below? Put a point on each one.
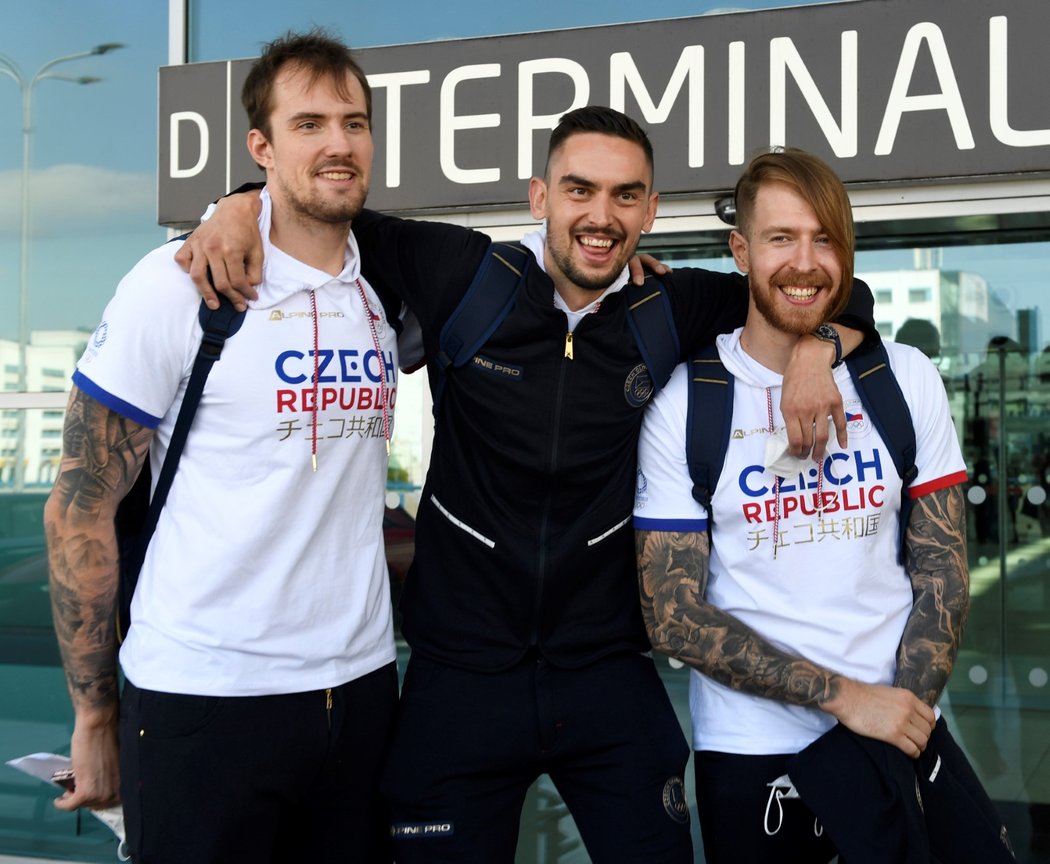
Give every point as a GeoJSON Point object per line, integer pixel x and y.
{"type": "Point", "coordinates": [120, 121]}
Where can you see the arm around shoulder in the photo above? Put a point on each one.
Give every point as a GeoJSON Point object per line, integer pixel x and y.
{"type": "Point", "coordinates": [225, 254]}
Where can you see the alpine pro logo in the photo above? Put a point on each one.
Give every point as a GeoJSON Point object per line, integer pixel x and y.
{"type": "Point", "coordinates": [638, 388]}
{"type": "Point", "coordinates": [280, 315]}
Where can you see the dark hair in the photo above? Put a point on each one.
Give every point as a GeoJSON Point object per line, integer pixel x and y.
{"type": "Point", "coordinates": [605, 121]}
{"type": "Point", "coordinates": [819, 186]}
{"type": "Point", "coordinates": [318, 53]}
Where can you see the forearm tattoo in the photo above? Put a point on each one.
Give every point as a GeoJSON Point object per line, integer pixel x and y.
{"type": "Point", "coordinates": [673, 571]}
{"type": "Point", "coordinates": [102, 455]}
{"type": "Point", "coordinates": [935, 559]}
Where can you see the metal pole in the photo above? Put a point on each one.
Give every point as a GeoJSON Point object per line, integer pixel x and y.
{"type": "Point", "coordinates": [23, 286]}
{"type": "Point", "coordinates": [10, 68]}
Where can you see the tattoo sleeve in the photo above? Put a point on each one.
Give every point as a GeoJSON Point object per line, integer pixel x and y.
{"type": "Point", "coordinates": [102, 455]}
{"type": "Point", "coordinates": [673, 571]}
{"type": "Point", "coordinates": [935, 560]}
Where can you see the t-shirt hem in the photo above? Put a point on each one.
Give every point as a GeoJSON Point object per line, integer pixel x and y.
{"type": "Point", "coordinates": [272, 687]}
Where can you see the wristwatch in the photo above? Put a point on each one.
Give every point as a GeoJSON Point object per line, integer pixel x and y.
{"type": "Point", "coordinates": [827, 333]}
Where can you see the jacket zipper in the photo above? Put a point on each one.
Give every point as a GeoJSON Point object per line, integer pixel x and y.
{"type": "Point", "coordinates": [552, 465]}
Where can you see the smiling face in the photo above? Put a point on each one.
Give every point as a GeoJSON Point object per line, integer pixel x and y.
{"type": "Point", "coordinates": [318, 156]}
{"type": "Point", "coordinates": [597, 200]}
{"type": "Point", "coordinates": [794, 272]}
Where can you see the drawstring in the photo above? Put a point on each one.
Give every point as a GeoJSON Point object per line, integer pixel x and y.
{"type": "Point", "coordinates": [384, 391]}
{"type": "Point", "coordinates": [779, 790]}
{"type": "Point", "coordinates": [379, 359]}
{"type": "Point", "coordinates": [317, 375]}
{"type": "Point", "coordinates": [776, 478]}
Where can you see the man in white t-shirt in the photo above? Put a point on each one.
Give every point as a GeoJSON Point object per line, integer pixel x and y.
{"type": "Point", "coordinates": [260, 676]}
{"type": "Point", "coordinates": [788, 596]}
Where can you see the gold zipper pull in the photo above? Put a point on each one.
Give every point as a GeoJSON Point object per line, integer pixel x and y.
{"type": "Point", "coordinates": [328, 699]}
{"type": "Point", "coordinates": [568, 346]}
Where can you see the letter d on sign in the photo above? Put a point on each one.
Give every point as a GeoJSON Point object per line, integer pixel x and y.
{"type": "Point", "coordinates": [198, 120]}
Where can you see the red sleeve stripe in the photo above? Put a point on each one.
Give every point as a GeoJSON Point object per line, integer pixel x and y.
{"type": "Point", "coordinates": [934, 485]}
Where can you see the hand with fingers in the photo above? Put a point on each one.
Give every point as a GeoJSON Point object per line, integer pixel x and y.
{"type": "Point", "coordinates": [890, 714]}
{"type": "Point", "coordinates": [228, 248]}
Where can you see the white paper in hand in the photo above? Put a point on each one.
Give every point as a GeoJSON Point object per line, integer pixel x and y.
{"type": "Point", "coordinates": [44, 766]}
{"type": "Point", "coordinates": [779, 460]}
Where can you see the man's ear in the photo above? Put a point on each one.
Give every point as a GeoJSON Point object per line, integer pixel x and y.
{"type": "Point", "coordinates": [741, 254]}
{"type": "Point", "coordinates": [650, 213]}
{"type": "Point", "coordinates": [538, 198]}
{"type": "Point", "coordinates": [259, 148]}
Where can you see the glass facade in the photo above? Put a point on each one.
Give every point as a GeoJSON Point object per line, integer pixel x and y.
{"type": "Point", "coordinates": [78, 178]}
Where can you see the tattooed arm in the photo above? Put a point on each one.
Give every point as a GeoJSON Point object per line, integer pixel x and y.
{"type": "Point", "coordinates": [673, 571]}
{"type": "Point", "coordinates": [935, 559]}
{"type": "Point", "coordinates": [102, 454]}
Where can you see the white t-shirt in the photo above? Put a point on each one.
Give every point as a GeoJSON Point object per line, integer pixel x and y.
{"type": "Point", "coordinates": [834, 593]}
{"type": "Point", "coordinates": [263, 576]}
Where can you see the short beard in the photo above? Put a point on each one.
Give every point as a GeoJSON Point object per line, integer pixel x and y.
{"type": "Point", "coordinates": [804, 320]}
{"type": "Point", "coordinates": [327, 212]}
{"type": "Point", "coordinates": [588, 282]}
{"type": "Point", "coordinates": [318, 209]}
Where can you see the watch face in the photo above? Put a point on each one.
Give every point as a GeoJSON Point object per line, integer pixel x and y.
{"type": "Point", "coordinates": [826, 331]}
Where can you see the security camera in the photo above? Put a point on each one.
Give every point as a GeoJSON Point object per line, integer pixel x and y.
{"type": "Point", "coordinates": [725, 208]}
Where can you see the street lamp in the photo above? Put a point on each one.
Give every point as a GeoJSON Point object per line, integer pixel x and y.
{"type": "Point", "coordinates": [26, 84]}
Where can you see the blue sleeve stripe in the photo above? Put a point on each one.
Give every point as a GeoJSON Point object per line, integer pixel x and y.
{"type": "Point", "coordinates": [678, 525]}
{"type": "Point", "coordinates": [125, 409]}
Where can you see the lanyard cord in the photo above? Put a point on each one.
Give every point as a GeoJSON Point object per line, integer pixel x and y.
{"type": "Point", "coordinates": [384, 391]}
{"type": "Point", "coordinates": [776, 479]}
{"type": "Point", "coordinates": [317, 375]}
{"type": "Point", "coordinates": [382, 366]}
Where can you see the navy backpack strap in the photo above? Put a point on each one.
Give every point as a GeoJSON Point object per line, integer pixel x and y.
{"type": "Point", "coordinates": [138, 513]}
{"type": "Point", "coordinates": [217, 326]}
{"type": "Point", "coordinates": [652, 324]}
{"type": "Point", "coordinates": [486, 303]}
{"type": "Point", "coordinates": [869, 366]}
{"type": "Point", "coordinates": [708, 424]}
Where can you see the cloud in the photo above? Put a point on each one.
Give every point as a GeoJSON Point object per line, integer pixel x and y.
{"type": "Point", "coordinates": [84, 198]}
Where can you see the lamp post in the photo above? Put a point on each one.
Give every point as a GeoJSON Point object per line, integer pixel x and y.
{"type": "Point", "coordinates": [26, 84]}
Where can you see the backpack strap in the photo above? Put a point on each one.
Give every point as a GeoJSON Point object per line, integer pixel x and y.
{"type": "Point", "coordinates": [491, 296]}
{"type": "Point", "coordinates": [869, 366]}
{"type": "Point", "coordinates": [652, 324]}
{"type": "Point", "coordinates": [710, 415]}
{"type": "Point", "coordinates": [708, 424]}
{"type": "Point", "coordinates": [217, 326]}
{"type": "Point", "coordinates": [138, 513]}
{"type": "Point", "coordinates": [485, 304]}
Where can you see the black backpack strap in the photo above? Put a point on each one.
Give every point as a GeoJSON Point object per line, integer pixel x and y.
{"type": "Point", "coordinates": [217, 326]}
{"type": "Point", "coordinates": [708, 424]}
{"type": "Point", "coordinates": [135, 531]}
{"type": "Point", "coordinates": [484, 306]}
{"type": "Point", "coordinates": [869, 366]}
{"type": "Point", "coordinates": [652, 324]}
